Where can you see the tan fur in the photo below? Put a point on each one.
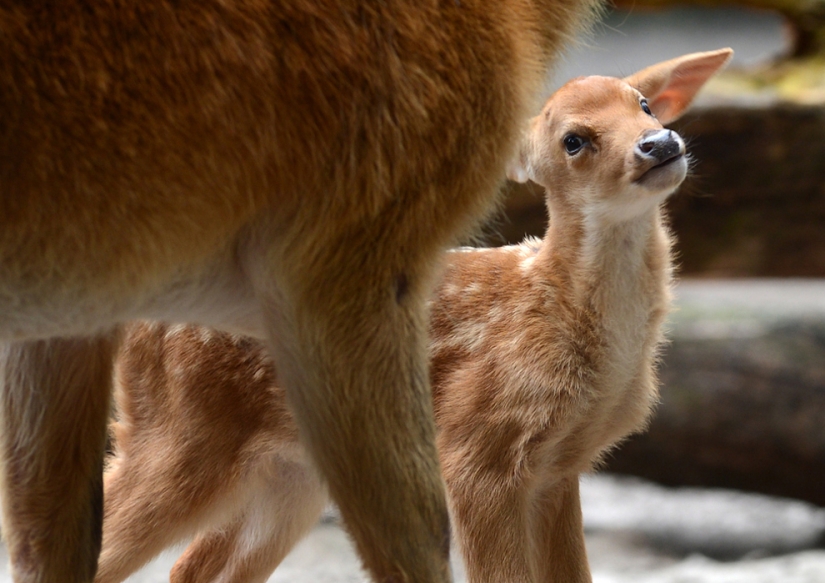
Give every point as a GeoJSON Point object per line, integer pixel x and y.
{"type": "Point", "coordinates": [542, 358]}
{"type": "Point", "coordinates": [287, 169]}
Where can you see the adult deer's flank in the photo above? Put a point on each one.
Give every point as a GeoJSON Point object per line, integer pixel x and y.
{"type": "Point", "coordinates": [543, 357]}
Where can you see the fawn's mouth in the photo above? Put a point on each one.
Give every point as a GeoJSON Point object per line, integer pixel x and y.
{"type": "Point", "coordinates": [654, 174]}
{"type": "Point", "coordinates": [669, 161]}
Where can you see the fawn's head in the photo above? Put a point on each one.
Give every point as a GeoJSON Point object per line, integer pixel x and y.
{"type": "Point", "coordinates": [599, 144]}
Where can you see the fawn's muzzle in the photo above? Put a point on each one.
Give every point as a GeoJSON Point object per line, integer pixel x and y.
{"type": "Point", "coordinates": [662, 146]}
{"type": "Point", "coordinates": [660, 158]}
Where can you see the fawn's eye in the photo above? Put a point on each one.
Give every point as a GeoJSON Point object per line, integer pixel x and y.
{"type": "Point", "coordinates": [573, 143]}
{"type": "Point", "coordinates": [645, 107]}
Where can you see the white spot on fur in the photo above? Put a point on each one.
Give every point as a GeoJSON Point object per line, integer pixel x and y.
{"type": "Point", "coordinates": [206, 335]}
{"type": "Point", "coordinates": [175, 330]}
{"type": "Point", "coordinates": [472, 288]}
{"type": "Point", "coordinates": [450, 290]}
{"type": "Point", "coordinates": [525, 263]}
{"type": "Point", "coordinates": [497, 314]}
{"type": "Point", "coordinates": [471, 337]}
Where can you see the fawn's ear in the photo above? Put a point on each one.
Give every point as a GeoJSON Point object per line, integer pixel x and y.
{"type": "Point", "coordinates": [519, 168]}
{"type": "Point", "coordinates": [671, 86]}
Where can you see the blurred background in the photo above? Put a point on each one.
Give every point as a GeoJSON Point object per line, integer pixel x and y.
{"type": "Point", "coordinates": [728, 485]}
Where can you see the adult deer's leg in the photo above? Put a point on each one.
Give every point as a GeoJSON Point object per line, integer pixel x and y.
{"type": "Point", "coordinates": [54, 407]}
{"type": "Point", "coordinates": [349, 339]}
{"type": "Point", "coordinates": [558, 535]}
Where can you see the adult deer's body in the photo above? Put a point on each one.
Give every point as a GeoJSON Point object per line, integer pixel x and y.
{"type": "Point", "coordinates": [542, 358]}
{"type": "Point", "coordinates": [285, 169]}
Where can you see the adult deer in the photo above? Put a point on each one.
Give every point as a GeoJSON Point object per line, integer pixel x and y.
{"type": "Point", "coordinates": [286, 169]}
{"type": "Point", "coordinates": [543, 357]}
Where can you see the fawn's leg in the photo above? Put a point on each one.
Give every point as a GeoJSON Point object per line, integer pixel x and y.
{"type": "Point", "coordinates": [558, 535]}
{"type": "Point", "coordinates": [158, 498]}
{"type": "Point", "coordinates": [55, 405]}
{"type": "Point", "coordinates": [284, 505]}
{"type": "Point", "coordinates": [349, 343]}
{"type": "Point", "coordinates": [143, 515]}
{"type": "Point", "coordinates": [491, 526]}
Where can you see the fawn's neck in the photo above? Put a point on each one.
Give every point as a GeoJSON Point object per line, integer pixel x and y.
{"type": "Point", "coordinates": [618, 272]}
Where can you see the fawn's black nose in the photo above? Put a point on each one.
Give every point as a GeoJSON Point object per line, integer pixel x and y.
{"type": "Point", "coordinates": [661, 145]}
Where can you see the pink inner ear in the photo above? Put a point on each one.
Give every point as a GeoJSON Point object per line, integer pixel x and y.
{"type": "Point", "coordinates": [686, 81]}
{"type": "Point", "coordinates": [668, 105]}
{"type": "Point", "coordinates": [678, 95]}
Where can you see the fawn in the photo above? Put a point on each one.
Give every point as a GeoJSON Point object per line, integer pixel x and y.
{"type": "Point", "coordinates": [543, 357]}
{"type": "Point", "coordinates": [289, 170]}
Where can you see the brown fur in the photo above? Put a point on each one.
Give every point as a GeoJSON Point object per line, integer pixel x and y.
{"type": "Point", "coordinates": [542, 358]}
{"type": "Point", "coordinates": [287, 169]}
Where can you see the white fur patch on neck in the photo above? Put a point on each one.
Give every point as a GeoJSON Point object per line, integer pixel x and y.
{"type": "Point", "coordinates": [623, 209]}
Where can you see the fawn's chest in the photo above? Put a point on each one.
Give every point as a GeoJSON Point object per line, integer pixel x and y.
{"type": "Point", "coordinates": [560, 363]}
